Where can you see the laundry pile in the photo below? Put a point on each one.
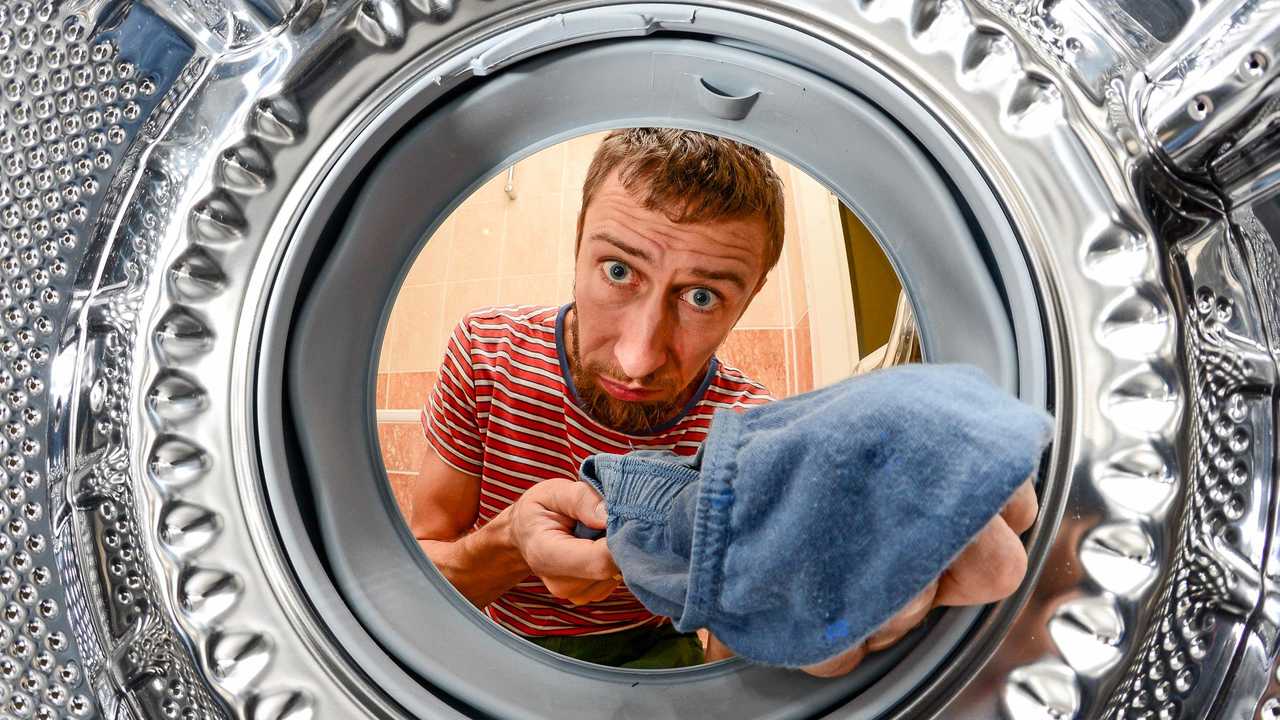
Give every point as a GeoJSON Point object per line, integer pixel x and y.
{"type": "Point", "coordinates": [803, 525]}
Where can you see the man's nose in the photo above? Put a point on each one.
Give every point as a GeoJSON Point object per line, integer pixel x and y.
{"type": "Point", "coordinates": [642, 344]}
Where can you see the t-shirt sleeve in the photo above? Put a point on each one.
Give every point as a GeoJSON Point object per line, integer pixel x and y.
{"type": "Point", "coordinates": [449, 419]}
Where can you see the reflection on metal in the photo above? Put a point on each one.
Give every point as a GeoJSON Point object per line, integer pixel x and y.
{"type": "Point", "coordinates": [511, 183]}
{"type": "Point", "coordinates": [1213, 111]}
{"type": "Point", "coordinates": [1216, 579]}
{"type": "Point", "coordinates": [148, 172]}
{"type": "Point", "coordinates": [83, 625]}
{"type": "Point", "coordinates": [904, 343]}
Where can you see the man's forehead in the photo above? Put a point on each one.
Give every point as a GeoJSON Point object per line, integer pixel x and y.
{"type": "Point", "coordinates": [639, 198]}
{"type": "Point", "coordinates": [617, 214]}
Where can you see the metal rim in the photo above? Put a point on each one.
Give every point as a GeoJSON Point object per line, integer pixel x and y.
{"type": "Point", "coordinates": [345, 516]}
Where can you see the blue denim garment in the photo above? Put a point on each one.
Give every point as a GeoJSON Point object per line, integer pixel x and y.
{"type": "Point", "coordinates": [803, 525]}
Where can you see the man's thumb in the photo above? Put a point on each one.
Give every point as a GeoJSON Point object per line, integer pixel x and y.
{"type": "Point", "coordinates": [589, 507]}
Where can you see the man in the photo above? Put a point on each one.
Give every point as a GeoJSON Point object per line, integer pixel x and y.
{"type": "Point", "coordinates": [677, 233]}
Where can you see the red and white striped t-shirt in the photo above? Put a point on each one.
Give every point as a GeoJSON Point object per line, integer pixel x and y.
{"type": "Point", "coordinates": [503, 409]}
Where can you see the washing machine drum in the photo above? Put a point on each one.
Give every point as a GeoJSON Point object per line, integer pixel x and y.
{"type": "Point", "coordinates": [207, 210]}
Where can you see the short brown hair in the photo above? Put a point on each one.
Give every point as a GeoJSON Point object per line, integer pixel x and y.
{"type": "Point", "coordinates": [692, 177]}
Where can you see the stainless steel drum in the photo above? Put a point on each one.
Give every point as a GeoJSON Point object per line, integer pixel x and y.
{"type": "Point", "coordinates": [197, 197]}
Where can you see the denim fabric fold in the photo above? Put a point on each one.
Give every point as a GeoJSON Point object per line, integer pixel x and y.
{"type": "Point", "coordinates": [650, 497]}
{"type": "Point", "coordinates": [803, 525]}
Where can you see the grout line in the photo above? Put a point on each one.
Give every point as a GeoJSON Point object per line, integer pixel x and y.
{"type": "Point", "coordinates": [760, 327]}
{"type": "Point", "coordinates": [398, 416]}
{"type": "Point", "coordinates": [789, 360]}
{"type": "Point", "coordinates": [560, 241]}
{"type": "Point", "coordinates": [444, 328]}
{"type": "Point", "coordinates": [809, 342]}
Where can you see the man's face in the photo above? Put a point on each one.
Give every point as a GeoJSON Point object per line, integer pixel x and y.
{"type": "Point", "coordinates": [653, 301]}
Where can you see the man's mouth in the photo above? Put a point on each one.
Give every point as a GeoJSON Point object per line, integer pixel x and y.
{"type": "Point", "coordinates": [628, 393]}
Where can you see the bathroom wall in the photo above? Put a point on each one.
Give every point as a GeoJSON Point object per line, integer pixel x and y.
{"type": "Point", "coordinates": [500, 248]}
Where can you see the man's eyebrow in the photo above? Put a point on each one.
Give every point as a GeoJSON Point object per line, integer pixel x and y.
{"type": "Point", "coordinates": [732, 277]}
{"type": "Point", "coordinates": [628, 249]}
{"type": "Point", "coordinates": [701, 274]}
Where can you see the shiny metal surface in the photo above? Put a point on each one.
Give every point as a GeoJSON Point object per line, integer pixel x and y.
{"type": "Point", "coordinates": [79, 102]}
{"type": "Point", "coordinates": [135, 280]}
{"type": "Point", "coordinates": [1212, 111]}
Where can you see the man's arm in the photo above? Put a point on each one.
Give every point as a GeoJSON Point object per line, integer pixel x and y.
{"type": "Point", "coordinates": [446, 495]}
{"type": "Point", "coordinates": [446, 501]}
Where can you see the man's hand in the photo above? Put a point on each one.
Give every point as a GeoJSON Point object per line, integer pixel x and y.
{"type": "Point", "coordinates": [989, 569]}
{"type": "Point", "coordinates": [542, 522]}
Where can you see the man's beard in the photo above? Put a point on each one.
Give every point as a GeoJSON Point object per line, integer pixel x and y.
{"type": "Point", "coordinates": [630, 417]}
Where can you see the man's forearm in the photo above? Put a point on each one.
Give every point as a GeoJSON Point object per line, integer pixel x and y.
{"type": "Point", "coordinates": [483, 564]}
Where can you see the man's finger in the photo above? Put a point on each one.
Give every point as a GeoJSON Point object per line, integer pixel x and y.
{"type": "Point", "coordinates": [594, 592]}
{"type": "Point", "coordinates": [842, 664]}
{"type": "Point", "coordinates": [565, 588]}
{"type": "Point", "coordinates": [905, 621]}
{"type": "Point", "coordinates": [578, 590]}
{"type": "Point", "coordinates": [1021, 510]}
{"type": "Point", "coordinates": [989, 569]}
{"type": "Point", "coordinates": [578, 500]}
{"type": "Point", "coordinates": [565, 556]}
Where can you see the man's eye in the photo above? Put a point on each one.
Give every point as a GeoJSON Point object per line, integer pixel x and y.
{"type": "Point", "coordinates": [617, 271]}
{"type": "Point", "coordinates": [702, 298]}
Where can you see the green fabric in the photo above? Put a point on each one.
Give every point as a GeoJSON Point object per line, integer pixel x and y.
{"type": "Point", "coordinates": [646, 648]}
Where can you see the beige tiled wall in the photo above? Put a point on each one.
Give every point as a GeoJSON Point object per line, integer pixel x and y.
{"type": "Point", "coordinates": [493, 250]}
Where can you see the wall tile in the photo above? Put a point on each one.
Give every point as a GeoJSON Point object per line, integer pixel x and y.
{"type": "Point", "coordinates": [793, 239]}
{"type": "Point", "coordinates": [493, 190]}
{"type": "Point", "coordinates": [419, 331]}
{"type": "Point", "coordinates": [761, 354]}
{"type": "Point", "coordinates": [766, 311]}
{"type": "Point", "coordinates": [403, 446]}
{"type": "Point", "coordinates": [781, 167]}
{"type": "Point", "coordinates": [402, 488]}
{"type": "Point", "coordinates": [461, 298]}
{"type": "Point", "coordinates": [578, 154]}
{"type": "Point", "coordinates": [803, 360]}
{"type": "Point", "coordinates": [541, 173]}
{"type": "Point", "coordinates": [409, 390]}
{"type": "Point", "coordinates": [532, 241]}
{"type": "Point", "coordinates": [380, 391]}
{"type": "Point", "coordinates": [570, 204]}
{"type": "Point", "coordinates": [793, 256]}
{"type": "Point", "coordinates": [791, 263]}
{"type": "Point", "coordinates": [386, 350]}
{"type": "Point", "coordinates": [433, 261]}
{"type": "Point", "coordinates": [386, 440]}
{"type": "Point", "coordinates": [477, 241]}
{"type": "Point", "coordinates": [530, 290]}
